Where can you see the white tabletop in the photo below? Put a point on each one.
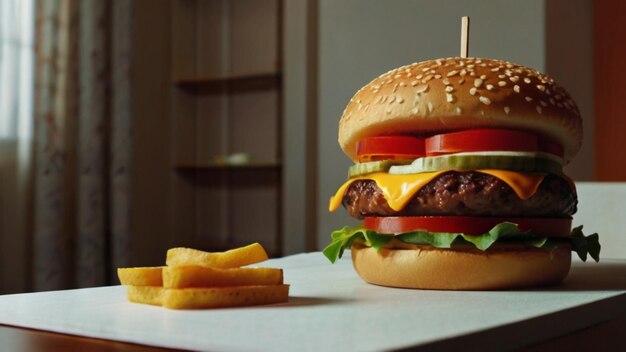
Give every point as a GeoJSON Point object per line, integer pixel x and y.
{"type": "Point", "coordinates": [331, 309]}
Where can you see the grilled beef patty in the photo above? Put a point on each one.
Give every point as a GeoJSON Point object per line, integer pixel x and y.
{"type": "Point", "coordinates": [465, 194]}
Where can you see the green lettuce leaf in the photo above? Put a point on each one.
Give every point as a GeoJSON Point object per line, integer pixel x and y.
{"type": "Point", "coordinates": [505, 231]}
{"type": "Point", "coordinates": [584, 245]}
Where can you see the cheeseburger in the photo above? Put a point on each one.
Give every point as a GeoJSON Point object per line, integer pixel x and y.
{"type": "Point", "coordinates": [458, 178]}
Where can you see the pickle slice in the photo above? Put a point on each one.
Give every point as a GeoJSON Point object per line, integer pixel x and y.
{"type": "Point", "coordinates": [513, 161]}
{"type": "Point", "coordinates": [374, 166]}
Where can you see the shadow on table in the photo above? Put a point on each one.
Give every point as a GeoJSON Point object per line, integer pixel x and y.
{"type": "Point", "coordinates": [604, 276]}
{"type": "Point", "coordinates": [297, 301]}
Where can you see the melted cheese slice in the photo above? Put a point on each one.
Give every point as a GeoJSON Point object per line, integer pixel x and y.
{"type": "Point", "coordinates": [399, 189]}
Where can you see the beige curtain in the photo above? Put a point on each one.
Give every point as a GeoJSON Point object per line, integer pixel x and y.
{"type": "Point", "coordinates": [16, 111]}
{"type": "Point", "coordinates": [81, 142]}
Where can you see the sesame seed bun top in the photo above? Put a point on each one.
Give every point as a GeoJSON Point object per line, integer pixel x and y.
{"type": "Point", "coordinates": [454, 94]}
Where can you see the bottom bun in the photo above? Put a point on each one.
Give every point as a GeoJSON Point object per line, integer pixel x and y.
{"type": "Point", "coordinates": [447, 269]}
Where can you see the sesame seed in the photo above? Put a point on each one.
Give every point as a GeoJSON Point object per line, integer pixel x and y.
{"type": "Point", "coordinates": [472, 74]}
{"type": "Point", "coordinates": [539, 110]}
{"type": "Point", "coordinates": [449, 98]}
{"type": "Point", "coordinates": [430, 106]}
{"type": "Point", "coordinates": [458, 110]}
{"type": "Point", "coordinates": [463, 72]}
{"type": "Point", "coordinates": [547, 91]}
{"type": "Point", "coordinates": [516, 88]}
{"type": "Point", "coordinates": [483, 77]}
{"type": "Point", "coordinates": [470, 66]}
{"type": "Point", "coordinates": [483, 65]}
{"type": "Point", "coordinates": [484, 100]}
{"type": "Point", "coordinates": [526, 80]}
{"type": "Point", "coordinates": [422, 88]}
{"type": "Point", "coordinates": [400, 100]}
{"type": "Point", "coordinates": [419, 76]}
{"type": "Point", "coordinates": [479, 61]}
{"type": "Point", "coordinates": [366, 107]}
{"type": "Point", "coordinates": [543, 103]}
{"type": "Point", "coordinates": [529, 99]}
{"type": "Point", "coordinates": [432, 72]}
{"type": "Point", "coordinates": [452, 73]}
{"type": "Point", "coordinates": [501, 83]}
{"type": "Point", "coordinates": [438, 61]}
{"type": "Point", "coordinates": [507, 110]}
{"type": "Point", "coordinates": [514, 79]}
{"type": "Point", "coordinates": [425, 69]}
{"type": "Point", "coordinates": [478, 82]}
{"type": "Point", "coordinates": [472, 91]}
{"type": "Point", "coordinates": [402, 84]}
{"type": "Point", "coordinates": [413, 83]}
{"type": "Point", "coordinates": [558, 97]}
{"type": "Point", "coordinates": [501, 76]}
{"type": "Point", "coordinates": [495, 69]}
{"type": "Point", "coordinates": [437, 76]}
{"type": "Point", "coordinates": [415, 110]}
{"type": "Point", "coordinates": [541, 87]}
{"type": "Point", "coordinates": [393, 98]}
{"type": "Point", "coordinates": [489, 87]}
{"type": "Point", "coordinates": [388, 111]}
{"type": "Point", "coordinates": [508, 73]}
{"type": "Point", "coordinates": [446, 81]}
{"type": "Point", "coordinates": [462, 80]}
{"type": "Point", "coordinates": [449, 89]}
{"type": "Point", "coordinates": [551, 101]}
{"type": "Point", "coordinates": [397, 76]}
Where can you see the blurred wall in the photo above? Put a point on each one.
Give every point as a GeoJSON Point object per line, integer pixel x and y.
{"type": "Point", "coordinates": [569, 59]}
{"type": "Point", "coordinates": [359, 40]}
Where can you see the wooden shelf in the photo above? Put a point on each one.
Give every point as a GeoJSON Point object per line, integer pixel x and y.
{"type": "Point", "coordinates": [220, 166]}
{"type": "Point", "coordinates": [231, 83]}
{"type": "Point", "coordinates": [226, 86]}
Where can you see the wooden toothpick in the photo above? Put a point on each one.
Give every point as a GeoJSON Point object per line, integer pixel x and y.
{"type": "Point", "coordinates": [464, 36]}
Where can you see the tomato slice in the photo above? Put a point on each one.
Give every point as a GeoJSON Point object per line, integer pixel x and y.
{"type": "Point", "coordinates": [551, 147]}
{"type": "Point", "coordinates": [389, 147]}
{"type": "Point", "coordinates": [469, 225]}
{"type": "Point", "coordinates": [481, 140]}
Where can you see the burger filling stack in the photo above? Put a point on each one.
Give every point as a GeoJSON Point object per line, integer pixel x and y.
{"type": "Point", "coordinates": [458, 178]}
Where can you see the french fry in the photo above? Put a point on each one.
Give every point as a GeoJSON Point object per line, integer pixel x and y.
{"type": "Point", "coordinates": [145, 276]}
{"type": "Point", "coordinates": [198, 276]}
{"type": "Point", "coordinates": [221, 297]}
{"type": "Point", "coordinates": [233, 258]}
{"type": "Point", "coordinates": [196, 279]}
{"type": "Point", "coordinates": [145, 294]}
